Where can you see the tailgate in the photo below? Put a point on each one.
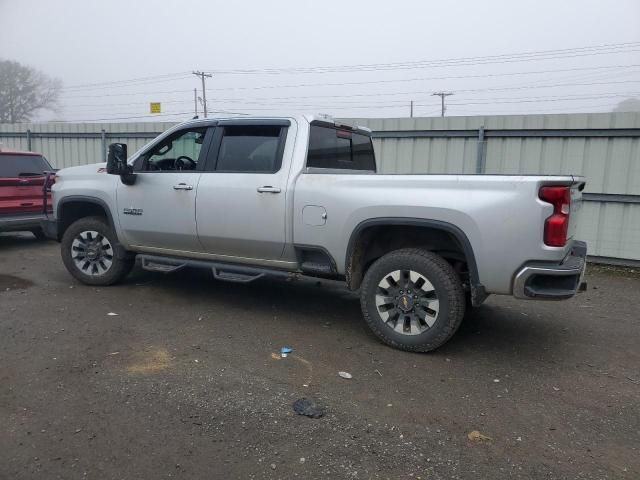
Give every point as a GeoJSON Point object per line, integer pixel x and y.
{"type": "Point", "coordinates": [21, 194]}
{"type": "Point", "coordinates": [576, 205]}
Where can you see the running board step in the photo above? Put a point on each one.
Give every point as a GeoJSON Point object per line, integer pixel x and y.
{"type": "Point", "coordinates": [231, 274]}
{"type": "Point", "coordinates": [221, 271]}
{"type": "Point", "coordinates": [160, 264]}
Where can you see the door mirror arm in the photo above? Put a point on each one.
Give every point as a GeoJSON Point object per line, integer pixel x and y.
{"type": "Point", "coordinates": [128, 177]}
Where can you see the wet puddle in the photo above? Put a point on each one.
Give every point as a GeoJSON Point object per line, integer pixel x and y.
{"type": "Point", "coordinates": [10, 282]}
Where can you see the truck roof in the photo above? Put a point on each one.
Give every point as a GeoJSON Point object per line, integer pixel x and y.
{"type": "Point", "coordinates": [205, 122]}
{"type": "Point", "coordinates": [308, 118]}
{"type": "Point", "coordinates": [9, 151]}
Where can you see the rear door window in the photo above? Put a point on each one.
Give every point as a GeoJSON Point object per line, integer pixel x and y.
{"type": "Point", "coordinates": [251, 148]}
{"type": "Point", "coordinates": [22, 165]}
{"type": "Point", "coordinates": [333, 148]}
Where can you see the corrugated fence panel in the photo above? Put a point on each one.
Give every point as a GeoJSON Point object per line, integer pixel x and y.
{"type": "Point", "coordinates": [422, 155]}
{"type": "Point", "coordinates": [611, 228]}
{"type": "Point", "coordinates": [72, 144]}
{"type": "Point", "coordinates": [611, 164]}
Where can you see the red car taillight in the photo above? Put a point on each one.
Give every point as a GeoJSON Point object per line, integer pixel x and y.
{"type": "Point", "coordinates": [556, 226]}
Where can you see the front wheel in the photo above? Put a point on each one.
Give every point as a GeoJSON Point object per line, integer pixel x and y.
{"type": "Point", "coordinates": [88, 253]}
{"type": "Point", "coordinates": [412, 299]}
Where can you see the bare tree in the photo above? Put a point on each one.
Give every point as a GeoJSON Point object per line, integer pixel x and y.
{"type": "Point", "coordinates": [628, 105]}
{"type": "Point", "coordinates": [24, 91]}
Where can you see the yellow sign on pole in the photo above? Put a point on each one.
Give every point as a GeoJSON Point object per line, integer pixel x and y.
{"type": "Point", "coordinates": [154, 107]}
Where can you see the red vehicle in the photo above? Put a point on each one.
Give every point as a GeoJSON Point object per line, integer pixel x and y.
{"type": "Point", "coordinates": [22, 201]}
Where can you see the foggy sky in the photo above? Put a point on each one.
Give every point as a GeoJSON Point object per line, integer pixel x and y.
{"type": "Point", "coordinates": [90, 42]}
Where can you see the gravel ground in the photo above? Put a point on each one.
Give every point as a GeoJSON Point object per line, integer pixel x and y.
{"type": "Point", "coordinates": [185, 381]}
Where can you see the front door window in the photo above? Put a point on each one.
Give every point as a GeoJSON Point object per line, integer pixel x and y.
{"type": "Point", "coordinates": [179, 151]}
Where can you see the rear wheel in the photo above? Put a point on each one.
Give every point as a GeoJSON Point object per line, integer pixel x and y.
{"type": "Point", "coordinates": [88, 253]}
{"type": "Point", "coordinates": [412, 300]}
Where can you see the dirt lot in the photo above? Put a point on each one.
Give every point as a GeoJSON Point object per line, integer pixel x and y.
{"type": "Point", "coordinates": [183, 382]}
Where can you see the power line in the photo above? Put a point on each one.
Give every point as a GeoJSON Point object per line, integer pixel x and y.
{"type": "Point", "coordinates": [481, 59]}
{"type": "Point", "coordinates": [530, 87]}
{"type": "Point", "coordinates": [502, 58]}
{"type": "Point", "coordinates": [370, 82]}
{"type": "Point", "coordinates": [169, 77]}
{"type": "Point", "coordinates": [542, 110]}
{"type": "Point", "coordinates": [490, 89]}
{"type": "Point", "coordinates": [388, 104]}
{"type": "Point", "coordinates": [535, 100]}
{"type": "Point", "coordinates": [152, 116]}
{"type": "Point", "coordinates": [285, 102]}
{"type": "Point", "coordinates": [415, 79]}
{"type": "Point", "coordinates": [278, 108]}
{"type": "Point", "coordinates": [264, 106]}
{"type": "Point", "coordinates": [159, 78]}
{"type": "Point", "coordinates": [382, 94]}
{"type": "Point", "coordinates": [480, 101]}
{"type": "Point", "coordinates": [127, 94]}
{"type": "Point", "coordinates": [155, 115]}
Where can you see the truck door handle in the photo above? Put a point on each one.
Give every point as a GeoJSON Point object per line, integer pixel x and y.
{"type": "Point", "coordinates": [268, 189]}
{"type": "Point", "coordinates": [183, 186]}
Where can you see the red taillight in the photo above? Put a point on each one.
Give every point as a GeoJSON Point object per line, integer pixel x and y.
{"type": "Point", "coordinates": [556, 226]}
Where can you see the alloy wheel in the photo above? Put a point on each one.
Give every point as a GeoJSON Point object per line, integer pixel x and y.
{"type": "Point", "coordinates": [92, 253]}
{"type": "Point", "coordinates": [407, 302]}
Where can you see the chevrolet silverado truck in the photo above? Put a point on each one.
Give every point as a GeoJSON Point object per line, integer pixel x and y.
{"type": "Point", "coordinates": [249, 197]}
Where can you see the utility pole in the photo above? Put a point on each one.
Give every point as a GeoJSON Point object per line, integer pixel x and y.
{"type": "Point", "coordinates": [442, 95]}
{"type": "Point", "coordinates": [411, 113]}
{"type": "Point", "coordinates": [195, 102]}
{"type": "Point", "coordinates": [202, 76]}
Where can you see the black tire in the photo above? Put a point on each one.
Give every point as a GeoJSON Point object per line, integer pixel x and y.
{"type": "Point", "coordinates": [448, 291]}
{"type": "Point", "coordinates": [39, 234]}
{"type": "Point", "coordinates": [118, 267]}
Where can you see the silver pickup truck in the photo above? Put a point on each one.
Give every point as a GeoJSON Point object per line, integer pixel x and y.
{"type": "Point", "coordinates": [249, 197]}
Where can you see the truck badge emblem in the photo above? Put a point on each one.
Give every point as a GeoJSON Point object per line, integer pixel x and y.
{"type": "Point", "coordinates": [132, 211]}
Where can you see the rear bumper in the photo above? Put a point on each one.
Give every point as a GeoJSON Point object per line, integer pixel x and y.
{"type": "Point", "coordinates": [19, 222]}
{"type": "Point", "coordinates": [552, 281]}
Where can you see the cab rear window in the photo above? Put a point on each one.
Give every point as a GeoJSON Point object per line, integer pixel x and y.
{"type": "Point", "coordinates": [333, 148]}
{"type": "Point", "coordinates": [22, 165]}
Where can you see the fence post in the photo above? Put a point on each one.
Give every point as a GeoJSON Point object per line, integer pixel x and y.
{"type": "Point", "coordinates": [482, 151]}
{"type": "Point", "coordinates": [103, 136]}
{"type": "Point", "coordinates": [29, 140]}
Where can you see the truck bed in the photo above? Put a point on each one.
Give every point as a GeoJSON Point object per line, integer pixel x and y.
{"type": "Point", "coordinates": [501, 215]}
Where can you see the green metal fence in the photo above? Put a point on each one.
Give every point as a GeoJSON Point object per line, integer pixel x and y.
{"type": "Point", "coordinates": [603, 147]}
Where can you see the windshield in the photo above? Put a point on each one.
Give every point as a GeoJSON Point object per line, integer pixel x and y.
{"type": "Point", "coordinates": [22, 165]}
